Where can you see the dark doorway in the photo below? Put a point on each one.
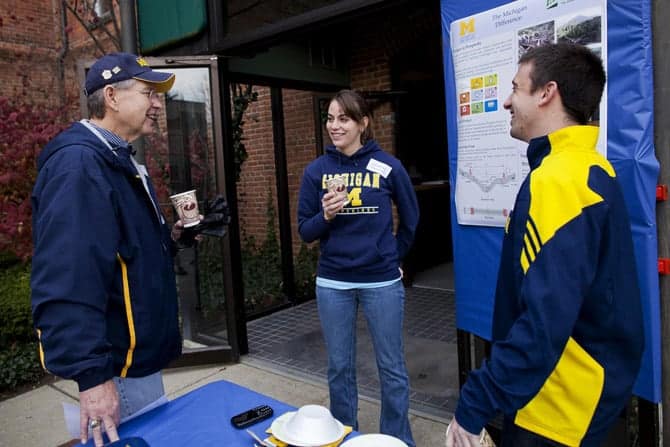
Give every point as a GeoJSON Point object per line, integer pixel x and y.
{"type": "Point", "coordinates": [422, 147]}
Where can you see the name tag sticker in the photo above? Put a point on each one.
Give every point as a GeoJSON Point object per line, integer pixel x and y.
{"type": "Point", "coordinates": [380, 168]}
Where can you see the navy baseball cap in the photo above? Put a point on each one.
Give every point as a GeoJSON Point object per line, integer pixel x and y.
{"type": "Point", "coordinates": [116, 67]}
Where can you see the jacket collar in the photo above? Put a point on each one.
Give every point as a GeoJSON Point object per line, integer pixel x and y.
{"type": "Point", "coordinates": [566, 139]}
{"type": "Point", "coordinates": [79, 135]}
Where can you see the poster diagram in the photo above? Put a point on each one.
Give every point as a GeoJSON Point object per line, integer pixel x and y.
{"type": "Point", "coordinates": [488, 176]}
{"type": "Point", "coordinates": [486, 48]}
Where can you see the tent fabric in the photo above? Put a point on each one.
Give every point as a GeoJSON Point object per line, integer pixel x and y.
{"type": "Point", "coordinates": [630, 148]}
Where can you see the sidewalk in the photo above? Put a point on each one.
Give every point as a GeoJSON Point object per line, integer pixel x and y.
{"type": "Point", "coordinates": [36, 418]}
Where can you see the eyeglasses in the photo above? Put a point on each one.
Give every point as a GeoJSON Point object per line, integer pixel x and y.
{"type": "Point", "coordinates": [150, 94]}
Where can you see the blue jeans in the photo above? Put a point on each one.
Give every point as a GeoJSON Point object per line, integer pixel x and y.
{"type": "Point", "coordinates": [136, 393]}
{"type": "Point", "coordinates": [383, 310]}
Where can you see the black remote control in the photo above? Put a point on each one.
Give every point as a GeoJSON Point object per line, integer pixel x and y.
{"type": "Point", "coordinates": [252, 416]}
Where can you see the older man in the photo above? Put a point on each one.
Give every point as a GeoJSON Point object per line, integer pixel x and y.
{"type": "Point", "coordinates": [103, 288]}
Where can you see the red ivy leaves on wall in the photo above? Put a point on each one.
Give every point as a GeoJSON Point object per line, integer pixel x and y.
{"type": "Point", "coordinates": [158, 165]}
{"type": "Point", "coordinates": [24, 130]}
{"type": "Point", "coordinates": [197, 152]}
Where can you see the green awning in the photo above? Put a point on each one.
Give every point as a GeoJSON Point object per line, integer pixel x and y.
{"type": "Point", "coordinates": [166, 22]}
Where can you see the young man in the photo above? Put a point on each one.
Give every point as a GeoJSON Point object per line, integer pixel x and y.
{"type": "Point", "coordinates": [567, 324]}
{"type": "Point", "coordinates": [103, 288]}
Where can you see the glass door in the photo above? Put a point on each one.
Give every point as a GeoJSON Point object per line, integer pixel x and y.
{"type": "Point", "coordinates": [187, 154]}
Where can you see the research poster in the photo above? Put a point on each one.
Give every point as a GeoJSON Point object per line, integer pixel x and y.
{"type": "Point", "coordinates": [485, 49]}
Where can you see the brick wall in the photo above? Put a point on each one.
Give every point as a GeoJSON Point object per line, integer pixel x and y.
{"type": "Point", "coordinates": [258, 180]}
{"type": "Point", "coordinates": [30, 23]}
{"type": "Point", "coordinates": [34, 64]}
{"type": "Point", "coordinates": [299, 129]}
{"type": "Point", "coordinates": [30, 39]}
{"type": "Point", "coordinates": [371, 72]}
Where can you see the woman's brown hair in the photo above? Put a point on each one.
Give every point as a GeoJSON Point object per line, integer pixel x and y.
{"type": "Point", "coordinates": [356, 107]}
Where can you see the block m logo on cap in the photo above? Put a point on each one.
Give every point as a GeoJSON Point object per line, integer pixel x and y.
{"type": "Point", "coordinates": [141, 62]}
{"type": "Point", "coordinates": [467, 27]}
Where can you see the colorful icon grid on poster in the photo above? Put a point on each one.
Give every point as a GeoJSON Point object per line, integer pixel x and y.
{"type": "Point", "coordinates": [481, 97]}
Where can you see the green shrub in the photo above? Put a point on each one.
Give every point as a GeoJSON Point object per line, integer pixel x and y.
{"type": "Point", "coordinates": [19, 361]}
{"type": "Point", "coordinates": [7, 260]}
{"type": "Point", "coordinates": [19, 365]}
{"type": "Point", "coordinates": [210, 277]}
{"type": "Point", "coordinates": [261, 265]}
{"type": "Point", "coordinates": [262, 275]}
{"type": "Point", "coordinates": [262, 272]}
{"type": "Point", "coordinates": [16, 325]}
{"type": "Point", "coordinates": [305, 271]}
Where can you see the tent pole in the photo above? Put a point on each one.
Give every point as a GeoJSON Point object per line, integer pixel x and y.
{"type": "Point", "coordinates": [661, 47]}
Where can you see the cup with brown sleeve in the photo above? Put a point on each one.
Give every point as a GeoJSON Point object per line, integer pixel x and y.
{"type": "Point", "coordinates": [337, 185]}
{"type": "Point", "coordinates": [186, 205]}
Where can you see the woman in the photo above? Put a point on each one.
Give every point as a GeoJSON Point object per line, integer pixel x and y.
{"type": "Point", "coordinates": [360, 258]}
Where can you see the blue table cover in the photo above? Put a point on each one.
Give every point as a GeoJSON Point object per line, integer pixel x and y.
{"type": "Point", "coordinates": [202, 418]}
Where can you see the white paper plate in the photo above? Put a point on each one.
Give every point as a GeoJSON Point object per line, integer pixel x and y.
{"type": "Point", "coordinates": [374, 440]}
{"type": "Point", "coordinates": [277, 429]}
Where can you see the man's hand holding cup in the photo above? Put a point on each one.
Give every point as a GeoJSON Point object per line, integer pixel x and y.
{"type": "Point", "coordinates": [178, 229]}
{"type": "Point", "coordinates": [186, 205]}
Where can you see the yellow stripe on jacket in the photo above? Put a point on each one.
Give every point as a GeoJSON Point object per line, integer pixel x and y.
{"type": "Point", "coordinates": [553, 202]}
{"type": "Point", "coordinates": [563, 408]}
{"type": "Point", "coordinates": [41, 350]}
{"type": "Point", "coordinates": [129, 316]}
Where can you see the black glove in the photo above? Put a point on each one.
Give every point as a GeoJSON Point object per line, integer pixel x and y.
{"type": "Point", "coordinates": [217, 218]}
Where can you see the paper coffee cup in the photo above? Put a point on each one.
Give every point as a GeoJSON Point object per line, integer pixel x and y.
{"type": "Point", "coordinates": [186, 205]}
{"type": "Point", "coordinates": [337, 185]}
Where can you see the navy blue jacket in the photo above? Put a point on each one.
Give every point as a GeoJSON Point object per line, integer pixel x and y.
{"type": "Point", "coordinates": [567, 324]}
{"type": "Point", "coordinates": [358, 245]}
{"type": "Point", "coordinates": [104, 297]}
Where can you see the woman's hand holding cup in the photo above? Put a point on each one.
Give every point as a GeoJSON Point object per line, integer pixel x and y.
{"type": "Point", "coordinates": [332, 203]}
{"type": "Point", "coordinates": [336, 197]}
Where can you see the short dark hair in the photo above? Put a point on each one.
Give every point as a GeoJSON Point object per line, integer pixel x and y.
{"type": "Point", "coordinates": [355, 107]}
{"type": "Point", "coordinates": [577, 71]}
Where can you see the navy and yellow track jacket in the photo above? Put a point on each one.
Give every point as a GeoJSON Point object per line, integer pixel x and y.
{"type": "Point", "coordinates": [103, 287]}
{"type": "Point", "coordinates": [567, 324]}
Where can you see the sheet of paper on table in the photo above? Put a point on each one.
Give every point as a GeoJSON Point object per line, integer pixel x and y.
{"type": "Point", "coordinates": [71, 413]}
